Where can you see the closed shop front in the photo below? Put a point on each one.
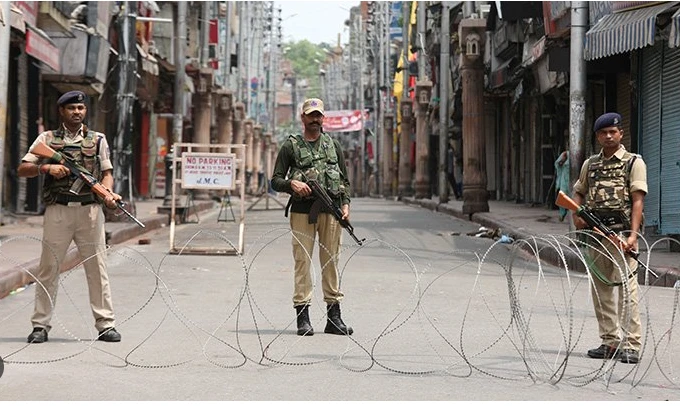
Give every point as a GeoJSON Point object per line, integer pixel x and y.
{"type": "Point", "coordinates": [659, 119]}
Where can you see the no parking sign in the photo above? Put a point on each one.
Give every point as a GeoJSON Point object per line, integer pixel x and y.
{"type": "Point", "coordinates": [205, 170]}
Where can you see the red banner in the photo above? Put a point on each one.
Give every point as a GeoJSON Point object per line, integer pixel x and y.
{"type": "Point", "coordinates": [42, 49]}
{"type": "Point", "coordinates": [341, 121]}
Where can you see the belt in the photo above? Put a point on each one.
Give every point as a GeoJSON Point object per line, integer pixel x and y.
{"type": "Point", "coordinates": [66, 200]}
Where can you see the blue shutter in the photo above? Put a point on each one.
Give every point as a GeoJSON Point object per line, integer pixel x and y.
{"type": "Point", "coordinates": [650, 128]}
{"type": "Point", "coordinates": [670, 143]}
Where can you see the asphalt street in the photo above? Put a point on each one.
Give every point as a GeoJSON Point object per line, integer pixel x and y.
{"type": "Point", "coordinates": [437, 315]}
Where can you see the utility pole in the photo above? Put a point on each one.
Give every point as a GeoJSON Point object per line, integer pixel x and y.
{"type": "Point", "coordinates": [444, 77]}
{"type": "Point", "coordinates": [421, 22]}
{"type": "Point", "coordinates": [362, 61]}
{"type": "Point", "coordinates": [127, 85]}
{"type": "Point", "coordinates": [388, 119]}
{"type": "Point", "coordinates": [4, 88]}
{"type": "Point", "coordinates": [259, 17]}
{"type": "Point", "coordinates": [227, 48]}
{"type": "Point", "coordinates": [276, 43]}
{"type": "Point", "coordinates": [180, 72]}
{"type": "Point", "coordinates": [271, 80]}
{"type": "Point", "coordinates": [406, 110]}
{"type": "Point", "coordinates": [248, 57]}
{"type": "Point", "coordinates": [577, 89]}
{"type": "Point", "coordinates": [240, 7]}
{"type": "Point", "coordinates": [377, 96]}
{"type": "Point", "coordinates": [205, 33]}
{"type": "Point", "coordinates": [180, 42]}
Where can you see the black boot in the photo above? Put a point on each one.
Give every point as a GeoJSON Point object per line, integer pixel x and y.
{"type": "Point", "coordinates": [335, 325]}
{"type": "Point", "coordinates": [304, 327]}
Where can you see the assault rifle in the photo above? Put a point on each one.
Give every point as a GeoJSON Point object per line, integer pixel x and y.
{"type": "Point", "coordinates": [83, 177]}
{"type": "Point", "coordinates": [322, 196]}
{"type": "Point", "coordinates": [595, 223]}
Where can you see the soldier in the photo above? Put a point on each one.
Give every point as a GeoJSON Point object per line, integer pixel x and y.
{"type": "Point", "coordinates": [316, 155]}
{"type": "Point", "coordinates": [613, 184]}
{"type": "Point", "coordinates": [72, 216]}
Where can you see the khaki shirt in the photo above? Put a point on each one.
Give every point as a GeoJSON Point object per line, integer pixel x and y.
{"type": "Point", "coordinates": [70, 138]}
{"type": "Point", "coordinates": [638, 174]}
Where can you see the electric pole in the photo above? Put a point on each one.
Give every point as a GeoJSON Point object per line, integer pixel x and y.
{"type": "Point", "coordinates": [127, 85]}
{"type": "Point", "coordinates": [180, 42]}
{"type": "Point", "coordinates": [444, 77]}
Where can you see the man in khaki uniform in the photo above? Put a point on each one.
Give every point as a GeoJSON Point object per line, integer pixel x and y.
{"type": "Point", "coordinates": [72, 216]}
{"type": "Point", "coordinates": [314, 154]}
{"type": "Point", "coordinates": [613, 184]}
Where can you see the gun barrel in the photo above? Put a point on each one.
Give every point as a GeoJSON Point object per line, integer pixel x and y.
{"type": "Point", "coordinates": [127, 213]}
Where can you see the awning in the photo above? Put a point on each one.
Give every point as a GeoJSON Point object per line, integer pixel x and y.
{"type": "Point", "coordinates": [17, 19]}
{"type": "Point", "coordinates": [40, 46]}
{"type": "Point", "coordinates": [623, 32]}
{"type": "Point", "coordinates": [674, 39]}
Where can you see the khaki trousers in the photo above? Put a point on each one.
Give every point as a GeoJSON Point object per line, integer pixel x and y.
{"type": "Point", "coordinates": [85, 226]}
{"type": "Point", "coordinates": [617, 315]}
{"type": "Point", "coordinates": [304, 234]}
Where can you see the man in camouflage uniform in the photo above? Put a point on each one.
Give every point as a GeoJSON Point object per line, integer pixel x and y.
{"type": "Point", "coordinates": [72, 216]}
{"type": "Point", "coordinates": [613, 184]}
{"type": "Point", "coordinates": [314, 155]}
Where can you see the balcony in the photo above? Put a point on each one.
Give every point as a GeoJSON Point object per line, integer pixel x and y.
{"type": "Point", "coordinates": [52, 17]}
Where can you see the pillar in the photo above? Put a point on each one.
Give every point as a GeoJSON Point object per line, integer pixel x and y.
{"type": "Point", "coordinates": [475, 194]}
{"type": "Point", "coordinates": [224, 119]}
{"type": "Point", "coordinates": [257, 158]}
{"type": "Point", "coordinates": [388, 146]}
{"type": "Point", "coordinates": [405, 149]}
{"type": "Point", "coordinates": [203, 119]}
{"type": "Point", "coordinates": [422, 184]}
{"type": "Point", "coordinates": [248, 135]}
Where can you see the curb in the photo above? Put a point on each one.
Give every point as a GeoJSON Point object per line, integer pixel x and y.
{"type": "Point", "coordinates": [18, 276]}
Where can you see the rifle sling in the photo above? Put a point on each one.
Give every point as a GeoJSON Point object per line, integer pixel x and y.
{"type": "Point", "coordinates": [596, 272]}
{"type": "Point", "coordinates": [290, 203]}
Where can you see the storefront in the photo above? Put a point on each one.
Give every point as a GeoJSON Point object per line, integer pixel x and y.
{"type": "Point", "coordinates": [617, 30]}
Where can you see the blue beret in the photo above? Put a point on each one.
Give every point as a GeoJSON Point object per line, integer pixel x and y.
{"type": "Point", "coordinates": [607, 120]}
{"type": "Point", "coordinates": [74, 96]}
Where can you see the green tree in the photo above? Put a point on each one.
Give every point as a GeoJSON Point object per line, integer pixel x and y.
{"type": "Point", "coordinates": [304, 58]}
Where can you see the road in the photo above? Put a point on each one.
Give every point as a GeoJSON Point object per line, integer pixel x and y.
{"type": "Point", "coordinates": [437, 315]}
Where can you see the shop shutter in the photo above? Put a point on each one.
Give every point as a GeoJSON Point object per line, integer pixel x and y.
{"type": "Point", "coordinates": [670, 143]}
{"type": "Point", "coordinates": [650, 128]}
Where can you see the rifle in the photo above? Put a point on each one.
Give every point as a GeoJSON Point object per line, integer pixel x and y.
{"type": "Point", "coordinates": [326, 200]}
{"type": "Point", "coordinates": [83, 177]}
{"type": "Point", "coordinates": [598, 226]}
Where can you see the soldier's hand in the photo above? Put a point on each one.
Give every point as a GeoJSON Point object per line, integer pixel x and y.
{"type": "Point", "coordinates": [345, 212]}
{"type": "Point", "coordinates": [58, 171]}
{"type": "Point", "coordinates": [110, 200]}
{"type": "Point", "coordinates": [579, 223]}
{"type": "Point", "coordinates": [300, 188]}
{"type": "Point", "coordinates": [632, 243]}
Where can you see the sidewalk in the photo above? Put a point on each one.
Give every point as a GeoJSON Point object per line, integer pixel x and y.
{"type": "Point", "coordinates": [515, 220]}
{"type": "Point", "coordinates": [521, 222]}
{"type": "Point", "coordinates": [30, 226]}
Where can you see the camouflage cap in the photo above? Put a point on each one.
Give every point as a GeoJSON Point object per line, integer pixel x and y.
{"type": "Point", "coordinates": [311, 105]}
